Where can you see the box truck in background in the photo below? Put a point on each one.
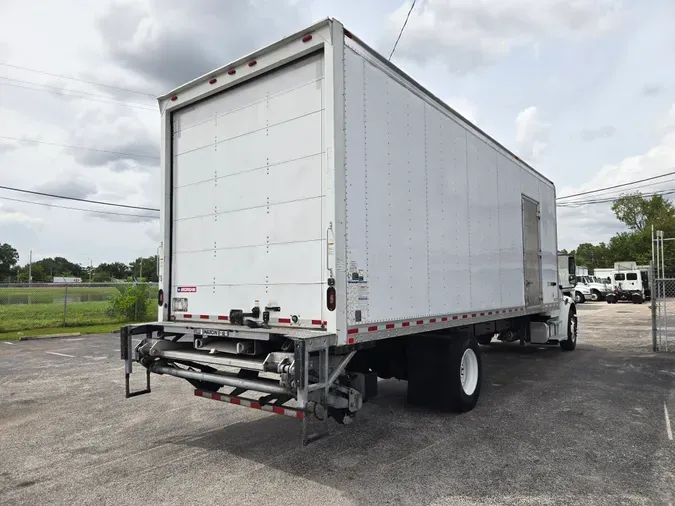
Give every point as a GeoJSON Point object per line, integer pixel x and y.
{"type": "Point", "coordinates": [327, 222]}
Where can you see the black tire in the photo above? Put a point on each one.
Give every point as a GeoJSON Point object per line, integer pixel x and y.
{"type": "Point", "coordinates": [611, 298]}
{"type": "Point", "coordinates": [570, 343]}
{"type": "Point", "coordinates": [579, 297]}
{"type": "Point", "coordinates": [636, 298]}
{"type": "Point", "coordinates": [595, 296]}
{"type": "Point", "coordinates": [435, 372]}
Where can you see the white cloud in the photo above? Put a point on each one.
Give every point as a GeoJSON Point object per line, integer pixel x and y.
{"type": "Point", "coordinates": [466, 34]}
{"type": "Point", "coordinates": [595, 223]}
{"type": "Point", "coordinates": [531, 134]}
{"type": "Point", "coordinates": [464, 107]}
{"type": "Point", "coordinates": [10, 216]}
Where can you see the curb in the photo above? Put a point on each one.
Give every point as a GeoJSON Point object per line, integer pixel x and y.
{"type": "Point", "coordinates": [48, 336]}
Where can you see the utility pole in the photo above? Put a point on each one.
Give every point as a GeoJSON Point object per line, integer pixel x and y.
{"type": "Point", "coordinates": [140, 276]}
{"type": "Point", "coordinates": [91, 269]}
{"type": "Point", "coordinates": [30, 266]}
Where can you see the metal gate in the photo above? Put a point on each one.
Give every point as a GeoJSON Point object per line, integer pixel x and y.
{"type": "Point", "coordinates": [663, 296]}
{"type": "Point", "coordinates": [531, 252]}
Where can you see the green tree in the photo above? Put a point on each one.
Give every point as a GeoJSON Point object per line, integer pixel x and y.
{"type": "Point", "coordinates": [145, 268]}
{"type": "Point", "coordinates": [9, 257]}
{"type": "Point", "coordinates": [115, 270]}
{"type": "Point", "coordinates": [638, 213]}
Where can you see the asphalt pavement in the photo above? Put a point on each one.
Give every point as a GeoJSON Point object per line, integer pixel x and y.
{"type": "Point", "coordinates": [587, 427]}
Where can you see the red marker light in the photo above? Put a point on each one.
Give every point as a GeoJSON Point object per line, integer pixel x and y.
{"type": "Point", "coordinates": [213, 81]}
{"type": "Point", "coordinates": [307, 38]}
{"type": "Point", "coordinates": [331, 298]}
{"type": "Point", "coordinates": [252, 63]}
{"type": "Point", "coordinates": [231, 72]}
{"type": "Point", "coordinates": [174, 98]}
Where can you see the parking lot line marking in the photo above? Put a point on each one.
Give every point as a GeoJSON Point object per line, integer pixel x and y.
{"type": "Point", "coordinates": [668, 429]}
{"type": "Point", "coordinates": [60, 354]}
{"type": "Point", "coordinates": [7, 342]}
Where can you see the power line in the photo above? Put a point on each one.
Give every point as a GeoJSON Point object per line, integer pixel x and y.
{"type": "Point", "coordinates": [77, 199]}
{"type": "Point", "coordinates": [151, 95]}
{"type": "Point", "coordinates": [78, 208]}
{"type": "Point", "coordinates": [402, 28]}
{"type": "Point", "coordinates": [617, 193]}
{"type": "Point", "coordinates": [80, 147]}
{"type": "Point", "coordinates": [124, 104]}
{"type": "Point", "coordinates": [616, 186]}
{"type": "Point", "coordinates": [610, 199]}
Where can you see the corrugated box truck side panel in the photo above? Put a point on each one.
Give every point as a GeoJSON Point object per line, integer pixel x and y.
{"type": "Point", "coordinates": [434, 210]}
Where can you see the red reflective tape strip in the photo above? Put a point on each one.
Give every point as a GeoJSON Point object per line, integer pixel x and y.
{"type": "Point", "coordinates": [203, 317]}
{"type": "Point", "coordinates": [390, 325]}
{"type": "Point", "coordinates": [235, 400]}
{"type": "Point", "coordinates": [444, 319]}
{"type": "Point", "coordinates": [278, 410]}
{"type": "Point", "coordinates": [489, 313]}
{"type": "Point", "coordinates": [420, 322]}
{"type": "Point", "coordinates": [350, 340]}
{"type": "Point", "coordinates": [199, 393]}
{"type": "Point", "coordinates": [465, 316]}
{"type": "Point", "coordinates": [372, 329]}
{"type": "Point", "coordinates": [406, 324]}
{"type": "Point", "coordinates": [455, 317]}
{"type": "Point", "coordinates": [433, 320]}
{"type": "Point", "coordinates": [255, 405]}
{"type": "Point", "coordinates": [284, 320]}
{"type": "Point", "coordinates": [300, 415]}
{"type": "Point", "coordinates": [220, 317]}
{"type": "Point", "coordinates": [187, 315]}
{"type": "Point", "coordinates": [316, 322]}
{"type": "Point", "coordinates": [352, 331]}
{"type": "Point", "coordinates": [473, 315]}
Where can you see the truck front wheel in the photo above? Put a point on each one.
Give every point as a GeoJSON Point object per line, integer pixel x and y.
{"type": "Point", "coordinates": [595, 295]}
{"type": "Point", "coordinates": [445, 372]}
{"type": "Point", "coordinates": [571, 342]}
{"type": "Point", "coordinates": [579, 298]}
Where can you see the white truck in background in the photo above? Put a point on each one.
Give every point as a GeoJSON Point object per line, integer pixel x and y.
{"type": "Point", "coordinates": [322, 217]}
{"type": "Point", "coordinates": [597, 289]}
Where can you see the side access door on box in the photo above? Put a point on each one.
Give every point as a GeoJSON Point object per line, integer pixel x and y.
{"type": "Point", "coordinates": [532, 252]}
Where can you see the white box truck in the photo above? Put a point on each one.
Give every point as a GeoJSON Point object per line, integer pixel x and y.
{"type": "Point", "coordinates": [327, 222]}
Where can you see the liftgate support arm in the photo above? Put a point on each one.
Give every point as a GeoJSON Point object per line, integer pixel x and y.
{"type": "Point", "coordinates": [127, 354]}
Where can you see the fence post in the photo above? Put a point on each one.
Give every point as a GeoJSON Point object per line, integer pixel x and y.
{"type": "Point", "coordinates": [653, 301]}
{"type": "Point", "coordinates": [65, 303]}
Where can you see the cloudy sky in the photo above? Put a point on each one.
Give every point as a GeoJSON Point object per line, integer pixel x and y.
{"type": "Point", "coordinates": [579, 88]}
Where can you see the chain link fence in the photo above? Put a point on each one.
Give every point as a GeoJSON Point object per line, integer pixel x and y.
{"type": "Point", "coordinates": [663, 313]}
{"type": "Point", "coordinates": [50, 305]}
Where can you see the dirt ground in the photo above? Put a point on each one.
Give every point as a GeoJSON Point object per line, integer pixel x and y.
{"type": "Point", "coordinates": [587, 427]}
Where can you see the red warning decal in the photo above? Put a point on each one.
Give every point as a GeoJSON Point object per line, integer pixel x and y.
{"type": "Point", "coordinates": [186, 289]}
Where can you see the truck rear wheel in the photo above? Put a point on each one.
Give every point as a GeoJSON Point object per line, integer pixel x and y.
{"type": "Point", "coordinates": [445, 373]}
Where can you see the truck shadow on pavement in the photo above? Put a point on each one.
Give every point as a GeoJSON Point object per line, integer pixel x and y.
{"type": "Point", "coordinates": [540, 429]}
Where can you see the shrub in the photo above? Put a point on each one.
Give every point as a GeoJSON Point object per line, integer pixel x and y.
{"type": "Point", "coordinates": [132, 303]}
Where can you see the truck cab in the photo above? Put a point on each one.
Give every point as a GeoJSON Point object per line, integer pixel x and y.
{"type": "Point", "coordinates": [597, 288]}
{"type": "Point", "coordinates": [628, 286]}
{"type": "Point", "coordinates": [568, 281]}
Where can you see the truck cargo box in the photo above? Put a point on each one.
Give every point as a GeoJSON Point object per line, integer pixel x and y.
{"type": "Point", "coordinates": [316, 185]}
